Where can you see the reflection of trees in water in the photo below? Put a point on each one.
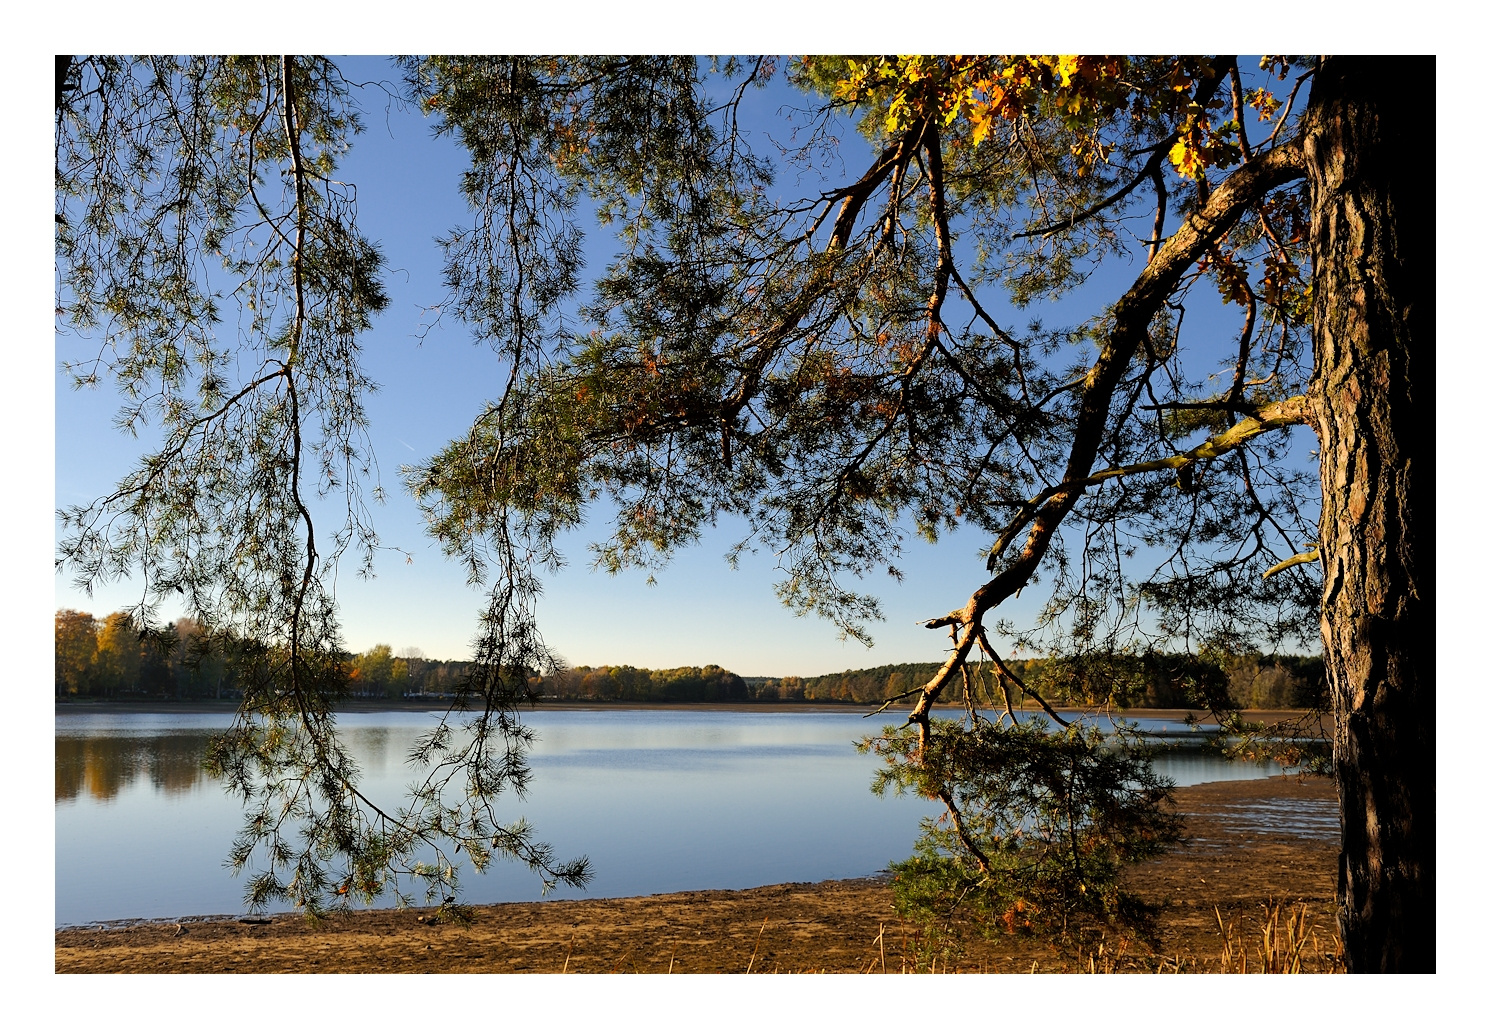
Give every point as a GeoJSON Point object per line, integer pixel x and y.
{"type": "Point", "coordinates": [370, 744]}
{"type": "Point", "coordinates": [68, 767]}
{"type": "Point", "coordinates": [104, 765]}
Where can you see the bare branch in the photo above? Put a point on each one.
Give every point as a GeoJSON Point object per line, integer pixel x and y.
{"type": "Point", "coordinates": [1313, 554]}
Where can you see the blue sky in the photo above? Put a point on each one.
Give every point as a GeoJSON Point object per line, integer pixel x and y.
{"type": "Point", "coordinates": [700, 610]}
{"type": "Point", "coordinates": [430, 391]}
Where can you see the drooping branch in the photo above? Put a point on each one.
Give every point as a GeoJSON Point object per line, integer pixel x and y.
{"type": "Point", "coordinates": [1004, 671]}
{"type": "Point", "coordinates": [945, 795]}
{"type": "Point", "coordinates": [297, 339]}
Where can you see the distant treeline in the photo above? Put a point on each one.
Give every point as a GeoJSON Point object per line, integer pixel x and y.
{"type": "Point", "coordinates": [1154, 680]}
{"type": "Point", "coordinates": [1157, 680]}
{"type": "Point", "coordinates": [113, 659]}
{"type": "Point", "coordinates": [710, 684]}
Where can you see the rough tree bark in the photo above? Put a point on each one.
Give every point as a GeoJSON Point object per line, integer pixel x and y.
{"type": "Point", "coordinates": [1372, 196]}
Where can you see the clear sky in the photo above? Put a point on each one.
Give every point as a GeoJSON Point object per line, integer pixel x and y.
{"type": "Point", "coordinates": [699, 610]}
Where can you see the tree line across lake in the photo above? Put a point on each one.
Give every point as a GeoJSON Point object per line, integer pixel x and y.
{"type": "Point", "coordinates": [112, 659]}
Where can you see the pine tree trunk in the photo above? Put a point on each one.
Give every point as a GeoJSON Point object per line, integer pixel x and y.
{"type": "Point", "coordinates": [1370, 164]}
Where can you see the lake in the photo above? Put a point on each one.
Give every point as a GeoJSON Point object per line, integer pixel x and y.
{"type": "Point", "coordinates": [660, 800]}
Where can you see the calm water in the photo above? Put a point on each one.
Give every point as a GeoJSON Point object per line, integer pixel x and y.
{"type": "Point", "coordinates": [659, 800]}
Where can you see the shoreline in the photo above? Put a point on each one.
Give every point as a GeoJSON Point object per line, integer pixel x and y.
{"type": "Point", "coordinates": [1240, 858]}
{"type": "Point", "coordinates": [197, 707]}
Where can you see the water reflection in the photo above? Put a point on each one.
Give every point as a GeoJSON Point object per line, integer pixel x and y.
{"type": "Point", "coordinates": [109, 760]}
{"type": "Point", "coordinates": [371, 745]}
{"type": "Point", "coordinates": [659, 800]}
{"type": "Point", "coordinates": [104, 766]}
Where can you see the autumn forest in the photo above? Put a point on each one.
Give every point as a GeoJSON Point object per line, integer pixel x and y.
{"type": "Point", "coordinates": [111, 659]}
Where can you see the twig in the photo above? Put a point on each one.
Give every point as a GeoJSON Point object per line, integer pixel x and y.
{"type": "Point", "coordinates": [892, 700]}
{"type": "Point", "coordinates": [570, 951]}
{"type": "Point", "coordinates": [983, 642]}
{"type": "Point", "coordinates": [758, 945]}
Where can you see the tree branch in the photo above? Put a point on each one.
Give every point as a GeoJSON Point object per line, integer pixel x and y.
{"type": "Point", "coordinates": [1313, 554]}
{"type": "Point", "coordinates": [1132, 316]}
{"type": "Point", "coordinates": [1151, 167]}
{"type": "Point", "coordinates": [983, 642]}
{"type": "Point", "coordinates": [1271, 417]}
{"type": "Point", "coordinates": [856, 195]}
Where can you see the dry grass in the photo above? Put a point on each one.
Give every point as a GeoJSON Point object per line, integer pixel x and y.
{"type": "Point", "coordinates": [1280, 948]}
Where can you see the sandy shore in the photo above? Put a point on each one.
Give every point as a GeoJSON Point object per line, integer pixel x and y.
{"type": "Point", "coordinates": [1252, 841]}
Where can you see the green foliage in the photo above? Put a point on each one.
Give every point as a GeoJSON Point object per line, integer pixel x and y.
{"type": "Point", "coordinates": [710, 684]}
{"type": "Point", "coordinates": [866, 685]}
{"type": "Point", "coordinates": [1276, 681]}
{"type": "Point", "coordinates": [122, 659]}
{"type": "Point", "coordinates": [1040, 823]}
{"type": "Point", "coordinates": [372, 671]}
{"type": "Point", "coordinates": [1210, 681]}
{"type": "Point", "coordinates": [1133, 680]}
{"type": "Point", "coordinates": [76, 642]}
